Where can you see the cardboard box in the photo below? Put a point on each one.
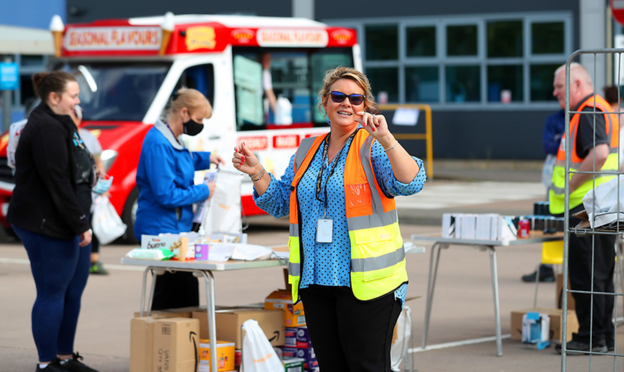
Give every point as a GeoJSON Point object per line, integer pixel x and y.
{"type": "Point", "coordinates": [229, 323]}
{"type": "Point", "coordinates": [294, 315]}
{"type": "Point", "coordinates": [225, 356]}
{"type": "Point", "coordinates": [556, 323]}
{"type": "Point", "coordinates": [303, 338]}
{"type": "Point", "coordinates": [293, 364]}
{"type": "Point", "coordinates": [182, 312]}
{"type": "Point", "coordinates": [175, 345]}
{"type": "Point", "coordinates": [141, 344]}
{"type": "Point", "coordinates": [559, 294]}
{"type": "Point", "coordinates": [307, 355]}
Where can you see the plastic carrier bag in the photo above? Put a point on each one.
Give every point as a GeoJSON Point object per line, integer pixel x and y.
{"type": "Point", "coordinates": [258, 354]}
{"type": "Point", "coordinates": [401, 341]}
{"type": "Point", "coordinates": [547, 169]}
{"type": "Point", "coordinates": [107, 225]}
{"type": "Point", "coordinates": [605, 204]}
{"type": "Point", "coordinates": [223, 212]}
{"type": "Point", "coordinates": [15, 131]}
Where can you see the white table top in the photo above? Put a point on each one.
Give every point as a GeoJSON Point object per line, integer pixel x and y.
{"type": "Point", "coordinates": [203, 265]}
{"type": "Point", "coordinates": [534, 237]}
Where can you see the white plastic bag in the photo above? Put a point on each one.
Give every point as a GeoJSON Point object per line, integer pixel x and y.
{"type": "Point", "coordinates": [224, 211]}
{"type": "Point", "coordinates": [602, 209]}
{"type": "Point", "coordinates": [258, 354]}
{"type": "Point", "coordinates": [400, 345]}
{"type": "Point", "coordinates": [15, 131]}
{"type": "Point", "coordinates": [107, 225]}
{"type": "Point", "coordinates": [547, 169]}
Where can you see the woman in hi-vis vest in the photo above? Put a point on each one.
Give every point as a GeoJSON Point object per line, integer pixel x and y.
{"type": "Point", "coordinates": [347, 262]}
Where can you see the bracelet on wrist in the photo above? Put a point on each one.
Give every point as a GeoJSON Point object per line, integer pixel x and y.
{"type": "Point", "coordinates": [396, 142]}
{"type": "Point", "coordinates": [257, 174]}
{"type": "Point", "coordinates": [260, 175]}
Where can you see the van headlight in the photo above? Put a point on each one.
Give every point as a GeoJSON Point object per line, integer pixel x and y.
{"type": "Point", "coordinates": [108, 158]}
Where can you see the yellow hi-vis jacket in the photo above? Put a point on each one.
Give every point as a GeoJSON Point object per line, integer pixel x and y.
{"type": "Point", "coordinates": [377, 253]}
{"type": "Point", "coordinates": [557, 186]}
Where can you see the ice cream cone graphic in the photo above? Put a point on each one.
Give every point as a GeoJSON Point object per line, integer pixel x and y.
{"type": "Point", "coordinates": [167, 30]}
{"type": "Point", "coordinates": [57, 28]}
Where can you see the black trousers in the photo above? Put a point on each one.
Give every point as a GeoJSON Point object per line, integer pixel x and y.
{"type": "Point", "coordinates": [580, 270]}
{"type": "Point", "coordinates": [174, 290]}
{"type": "Point", "coordinates": [348, 334]}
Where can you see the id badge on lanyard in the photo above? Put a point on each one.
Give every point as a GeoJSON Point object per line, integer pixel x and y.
{"type": "Point", "coordinates": [325, 226]}
{"type": "Point", "coordinates": [324, 230]}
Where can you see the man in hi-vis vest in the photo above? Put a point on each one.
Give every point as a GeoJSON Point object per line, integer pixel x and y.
{"type": "Point", "coordinates": [590, 151]}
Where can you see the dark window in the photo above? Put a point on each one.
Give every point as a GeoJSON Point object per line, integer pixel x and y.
{"type": "Point", "coordinates": [505, 80]}
{"type": "Point", "coordinates": [382, 42]}
{"type": "Point", "coordinates": [504, 39]}
{"type": "Point", "coordinates": [461, 40]}
{"type": "Point", "coordinates": [463, 84]}
{"type": "Point", "coordinates": [547, 38]}
{"type": "Point", "coordinates": [542, 82]}
{"type": "Point", "coordinates": [422, 84]}
{"type": "Point", "coordinates": [421, 41]}
{"type": "Point", "coordinates": [384, 79]}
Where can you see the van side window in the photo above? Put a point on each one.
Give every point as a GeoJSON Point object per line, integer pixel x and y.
{"type": "Point", "coordinates": [277, 88]}
{"type": "Point", "coordinates": [200, 77]}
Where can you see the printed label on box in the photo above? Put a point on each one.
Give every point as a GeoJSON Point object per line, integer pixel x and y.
{"type": "Point", "coordinates": [290, 335]}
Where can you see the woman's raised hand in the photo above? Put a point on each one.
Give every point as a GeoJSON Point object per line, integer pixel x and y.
{"type": "Point", "coordinates": [245, 161]}
{"type": "Point", "coordinates": [376, 126]}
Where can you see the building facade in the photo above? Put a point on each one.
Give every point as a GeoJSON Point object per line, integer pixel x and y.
{"type": "Point", "coordinates": [485, 67]}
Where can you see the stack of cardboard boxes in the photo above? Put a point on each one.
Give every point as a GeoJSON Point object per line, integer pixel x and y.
{"type": "Point", "coordinates": [178, 340]}
{"type": "Point", "coordinates": [297, 340]}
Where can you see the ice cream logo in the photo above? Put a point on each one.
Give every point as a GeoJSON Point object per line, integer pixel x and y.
{"type": "Point", "coordinates": [342, 36]}
{"type": "Point", "coordinates": [200, 38]}
{"type": "Point", "coordinates": [243, 36]}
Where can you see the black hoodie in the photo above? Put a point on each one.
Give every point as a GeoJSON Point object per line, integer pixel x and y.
{"type": "Point", "coordinates": [44, 200]}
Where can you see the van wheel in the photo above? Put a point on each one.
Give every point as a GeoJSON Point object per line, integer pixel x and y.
{"type": "Point", "coordinates": [129, 216]}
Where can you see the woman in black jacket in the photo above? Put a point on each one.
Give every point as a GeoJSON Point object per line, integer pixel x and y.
{"type": "Point", "coordinates": [54, 173]}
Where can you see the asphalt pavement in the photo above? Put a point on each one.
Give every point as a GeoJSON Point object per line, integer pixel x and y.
{"type": "Point", "coordinates": [462, 329]}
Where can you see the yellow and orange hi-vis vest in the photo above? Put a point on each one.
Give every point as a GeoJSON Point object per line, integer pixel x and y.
{"type": "Point", "coordinates": [377, 253]}
{"type": "Point", "coordinates": [557, 186]}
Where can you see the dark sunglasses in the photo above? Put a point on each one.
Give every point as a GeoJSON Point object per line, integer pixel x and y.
{"type": "Point", "coordinates": [355, 99]}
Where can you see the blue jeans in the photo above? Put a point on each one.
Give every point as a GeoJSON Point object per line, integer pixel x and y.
{"type": "Point", "coordinates": [60, 268]}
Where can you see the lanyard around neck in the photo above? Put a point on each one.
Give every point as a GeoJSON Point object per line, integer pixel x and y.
{"type": "Point", "coordinates": [324, 159]}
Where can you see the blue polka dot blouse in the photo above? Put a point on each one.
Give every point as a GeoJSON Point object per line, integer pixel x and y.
{"type": "Point", "coordinates": [329, 263]}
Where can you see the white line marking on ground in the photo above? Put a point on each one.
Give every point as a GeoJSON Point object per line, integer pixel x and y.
{"type": "Point", "coordinates": [457, 343]}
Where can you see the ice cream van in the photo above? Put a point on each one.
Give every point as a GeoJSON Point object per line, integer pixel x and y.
{"type": "Point", "coordinates": [128, 69]}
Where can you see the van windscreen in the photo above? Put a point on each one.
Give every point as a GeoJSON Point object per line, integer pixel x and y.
{"type": "Point", "coordinates": [116, 91]}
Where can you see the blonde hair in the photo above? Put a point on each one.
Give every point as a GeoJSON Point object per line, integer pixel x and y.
{"type": "Point", "coordinates": [359, 78]}
{"type": "Point", "coordinates": [191, 99]}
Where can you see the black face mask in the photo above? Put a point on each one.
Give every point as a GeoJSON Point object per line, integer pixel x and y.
{"type": "Point", "coordinates": [192, 128]}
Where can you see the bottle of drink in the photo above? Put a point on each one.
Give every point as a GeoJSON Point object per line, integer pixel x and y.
{"type": "Point", "coordinates": [202, 246]}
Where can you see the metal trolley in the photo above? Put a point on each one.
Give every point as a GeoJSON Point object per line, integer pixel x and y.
{"type": "Point", "coordinates": [597, 360]}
